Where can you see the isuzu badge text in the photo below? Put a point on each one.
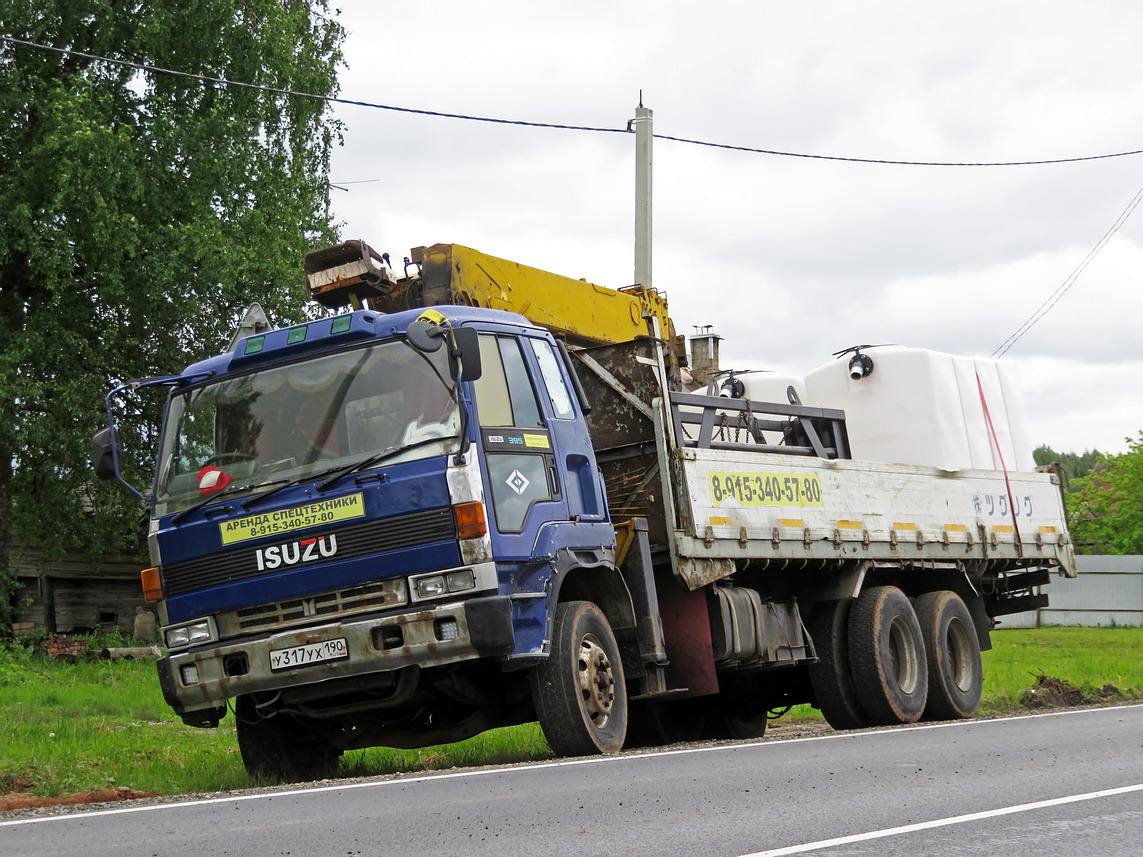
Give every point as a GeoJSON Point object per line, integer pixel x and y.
{"type": "Point", "coordinates": [291, 553]}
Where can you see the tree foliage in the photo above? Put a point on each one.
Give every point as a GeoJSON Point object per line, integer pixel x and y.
{"type": "Point", "coordinates": [1076, 465]}
{"type": "Point", "coordinates": [1105, 509]}
{"type": "Point", "coordinates": [140, 212]}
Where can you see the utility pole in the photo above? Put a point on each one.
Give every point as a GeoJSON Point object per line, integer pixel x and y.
{"type": "Point", "coordinates": [644, 135]}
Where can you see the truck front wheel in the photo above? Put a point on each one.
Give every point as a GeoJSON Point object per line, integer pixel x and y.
{"type": "Point", "coordinates": [278, 748]}
{"type": "Point", "coordinates": [887, 656]}
{"type": "Point", "coordinates": [655, 724]}
{"type": "Point", "coordinates": [955, 672]}
{"type": "Point", "coordinates": [579, 693]}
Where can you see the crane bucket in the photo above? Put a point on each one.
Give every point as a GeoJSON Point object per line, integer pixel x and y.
{"type": "Point", "coordinates": [346, 274]}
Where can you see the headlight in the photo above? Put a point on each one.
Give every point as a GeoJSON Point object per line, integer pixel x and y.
{"type": "Point", "coordinates": [177, 637]}
{"type": "Point", "coordinates": [188, 635]}
{"type": "Point", "coordinates": [458, 581]}
{"type": "Point", "coordinates": [430, 587]}
{"type": "Point", "coordinates": [427, 586]}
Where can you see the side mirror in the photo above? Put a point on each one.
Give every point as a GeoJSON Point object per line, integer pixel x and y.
{"type": "Point", "coordinates": [424, 336]}
{"type": "Point", "coordinates": [468, 344]}
{"type": "Point", "coordinates": [428, 338]}
{"type": "Point", "coordinates": [102, 454]}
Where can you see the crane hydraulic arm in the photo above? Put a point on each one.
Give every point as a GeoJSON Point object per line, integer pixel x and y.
{"type": "Point", "coordinates": [580, 312]}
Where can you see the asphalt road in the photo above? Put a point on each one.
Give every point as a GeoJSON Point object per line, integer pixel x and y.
{"type": "Point", "coordinates": [1063, 783]}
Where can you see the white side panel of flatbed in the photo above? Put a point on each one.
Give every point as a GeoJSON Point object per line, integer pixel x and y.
{"type": "Point", "coordinates": [737, 504]}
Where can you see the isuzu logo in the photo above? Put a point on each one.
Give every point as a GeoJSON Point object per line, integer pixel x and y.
{"type": "Point", "coordinates": [292, 553]}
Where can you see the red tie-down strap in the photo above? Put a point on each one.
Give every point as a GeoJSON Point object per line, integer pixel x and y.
{"type": "Point", "coordinates": [1003, 466]}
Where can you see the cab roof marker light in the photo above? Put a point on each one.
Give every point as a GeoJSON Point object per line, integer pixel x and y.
{"type": "Point", "coordinates": [341, 324]}
{"type": "Point", "coordinates": [254, 344]}
{"type": "Point", "coordinates": [297, 334]}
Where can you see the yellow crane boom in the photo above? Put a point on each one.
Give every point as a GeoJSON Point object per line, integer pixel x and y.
{"type": "Point", "coordinates": [581, 312]}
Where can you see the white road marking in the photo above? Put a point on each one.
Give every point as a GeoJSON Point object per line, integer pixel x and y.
{"type": "Point", "coordinates": [565, 763]}
{"type": "Point", "coordinates": [942, 822]}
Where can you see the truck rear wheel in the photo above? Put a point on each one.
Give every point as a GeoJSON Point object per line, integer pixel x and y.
{"type": "Point", "coordinates": [955, 673]}
{"type": "Point", "coordinates": [734, 725]}
{"type": "Point", "coordinates": [887, 656]}
{"type": "Point", "coordinates": [831, 678]}
{"type": "Point", "coordinates": [578, 692]}
{"type": "Point", "coordinates": [280, 748]}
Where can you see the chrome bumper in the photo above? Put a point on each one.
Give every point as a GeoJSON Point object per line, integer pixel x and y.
{"type": "Point", "coordinates": [197, 683]}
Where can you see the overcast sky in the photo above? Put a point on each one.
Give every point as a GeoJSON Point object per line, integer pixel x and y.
{"type": "Point", "coordinates": [790, 259]}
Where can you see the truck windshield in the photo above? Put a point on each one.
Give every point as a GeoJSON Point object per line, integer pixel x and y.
{"type": "Point", "coordinates": [288, 422]}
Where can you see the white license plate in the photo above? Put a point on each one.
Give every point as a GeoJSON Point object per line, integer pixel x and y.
{"type": "Point", "coordinates": [310, 653]}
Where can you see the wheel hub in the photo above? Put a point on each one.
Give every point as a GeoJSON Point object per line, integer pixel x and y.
{"type": "Point", "coordinates": [960, 655]}
{"type": "Point", "coordinates": [596, 680]}
{"type": "Point", "coordinates": [903, 655]}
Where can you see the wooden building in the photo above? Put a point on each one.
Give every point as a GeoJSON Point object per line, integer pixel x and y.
{"type": "Point", "coordinates": [70, 595]}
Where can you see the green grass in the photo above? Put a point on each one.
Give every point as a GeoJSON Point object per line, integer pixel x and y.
{"type": "Point", "coordinates": [1087, 658]}
{"type": "Point", "coordinates": [66, 728]}
{"type": "Point", "coordinates": [496, 747]}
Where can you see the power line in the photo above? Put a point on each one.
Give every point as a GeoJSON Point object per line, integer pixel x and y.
{"type": "Point", "coordinates": [1069, 281]}
{"type": "Point", "coordinates": [338, 185]}
{"type": "Point", "coordinates": [901, 163]}
{"type": "Point", "coordinates": [274, 90]}
{"type": "Point", "coordinates": [329, 99]}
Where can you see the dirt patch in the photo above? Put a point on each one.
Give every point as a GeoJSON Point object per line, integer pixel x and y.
{"type": "Point", "coordinates": [16, 800]}
{"type": "Point", "coordinates": [1051, 692]}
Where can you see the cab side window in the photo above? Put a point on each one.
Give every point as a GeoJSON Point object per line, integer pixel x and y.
{"type": "Point", "coordinates": [504, 394]}
{"type": "Point", "coordinates": [553, 382]}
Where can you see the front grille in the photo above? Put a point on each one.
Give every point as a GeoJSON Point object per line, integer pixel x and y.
{"type": "Point", "coordinates": [376, 537]}
{"type": "Point", "coordinates": [371, 596]}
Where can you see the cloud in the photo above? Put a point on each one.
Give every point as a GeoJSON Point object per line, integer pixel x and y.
{"type": "Point", "coordinates": [790, 259]}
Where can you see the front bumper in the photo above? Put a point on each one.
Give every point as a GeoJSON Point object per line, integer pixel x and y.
{"type": "Point", "coordinates": [433, 636]}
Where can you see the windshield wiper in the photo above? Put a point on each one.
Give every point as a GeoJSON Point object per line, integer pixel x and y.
{"type": "Point", "coordinates": [309, 477]}
{"type": "Point", "coordinates": [214, 498]}
{"type": "Point", "coordinates": [374, 460]}
{"type": "Point", "coordinates": [283, 484]}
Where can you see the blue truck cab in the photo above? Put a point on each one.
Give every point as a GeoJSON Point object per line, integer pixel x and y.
{"type": "Point", "coordinates": [360, 525]}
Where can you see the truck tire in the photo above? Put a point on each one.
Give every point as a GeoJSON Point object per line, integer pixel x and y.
{"type": "Point", "coordinates": [657, 724]}
{"type": "Point", "coordinates": [953, 649]}
{"type": "Point", "coordinates": [280, 749]}
{"type": "Point", "coordinates": [579, 692]}
{"type": "Point", "coordinates": [831, 678]}
{"type": "Point", "coordinates": [887, 656]}
{"type": "Point", "coordinates": [737, 726]}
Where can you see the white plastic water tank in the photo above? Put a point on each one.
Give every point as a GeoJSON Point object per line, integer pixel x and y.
{"type": "Point", "coordinates": [924, 407]}
{"type": "Point", "coordinates": [772, 387]}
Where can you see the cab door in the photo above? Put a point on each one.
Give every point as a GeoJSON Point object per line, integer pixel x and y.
{"type": "Point", "coordinates": [519, 449]}
{"type": "Point", "coordinates": [575, 457]}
